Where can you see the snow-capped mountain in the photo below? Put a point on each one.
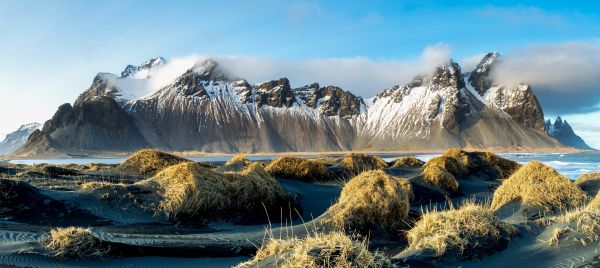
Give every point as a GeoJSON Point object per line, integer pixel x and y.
{"type": "Point", "coordinates": [441, 111]}
{"type": "Point", "coordinates": [562, 131]}
{"type": "Point", "coordinates": [518, 100]}
{"type": "Point", "coordinates": [17, 138]}
{"type": "Point", "coordinates": [209, 109]}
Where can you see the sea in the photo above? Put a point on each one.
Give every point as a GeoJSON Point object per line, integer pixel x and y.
{"type": "Point", "coordinates": [572, 165]}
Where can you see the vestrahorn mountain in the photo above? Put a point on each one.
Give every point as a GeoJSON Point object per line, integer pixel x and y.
{"type": "Point", "coordinates": [209, 109]}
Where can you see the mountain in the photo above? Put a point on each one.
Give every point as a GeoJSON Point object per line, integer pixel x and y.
{"type": "Point", "coordinates": [518, 100]}
{"type": "Point", "coordinates": [17, 138]}
{"type": "Point", "coordinates": [441, 111]}
{"type": "Point", "coordinates": [562, 131]}
{"type": "Point", "coordinates": [209, 109]}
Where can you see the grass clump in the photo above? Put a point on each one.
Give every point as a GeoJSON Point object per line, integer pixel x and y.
{"type": "Point", "coordinates": [299, 169]}
{"type": "Point", "coordinates": [74, 243]}
{"type": "Point", "coordinates": [236, 164]}
{"type": "Point", "coordinates": [582, 225]}
{"type": "Point", "coordinates": [469, 232]}
{"type": "Point", "coordinates": [540, 186]}
{"type": "Point", "coordinates": [355, 163]}
{"type": "Point", "coordinates": [487, 164]}
{"type": "Point", "coordinates": [334, 249]}
{"type": "Point", "coordinates": [407, 161]}
{"type": "Point", "coordinates": [148, 161]}
{"type": "Point", "coordinates": [192, 193]}
{"type": "Point", "coordinates": [440, 178]}
{"type": "Point", "coordinates": [371, 201]}
{"type": "Point", "coordinates": [589, 182]}
{"type": "Point", "coordinates": [450, 164]}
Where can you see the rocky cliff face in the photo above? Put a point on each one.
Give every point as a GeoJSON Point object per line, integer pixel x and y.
{"type": "Point", "coordinates": [95, 124]}
{"type": "Point", "coordinates": [439, 111]}
{"type": "Point", "coordinates": [209, 109]}
{"type": "Point", "coordinates": [518, 101]}
{"type": "Point", "coordinates": [213, 111]}
{"type": "Point", "coordinates": [562, 131]}
{"type": "Point", "coordinates": [17, 138]}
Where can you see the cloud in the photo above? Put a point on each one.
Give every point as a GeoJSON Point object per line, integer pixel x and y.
{"type": "Point", "coordinates": [362, 76]}
{"type": "Point", "coordinates": [469, 63]}
{"type": "Point", "coordinates": [565, 77]}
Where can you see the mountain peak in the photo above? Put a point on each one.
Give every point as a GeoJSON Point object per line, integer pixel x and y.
{"type": "Point", "coordinates": [141, 71]}
{"type": "Point", "coordinates": [210, 70]}
{"type": "Point", "coordinates": [564, 133]}
{"type": "Point", "coordinates": [448, 75]}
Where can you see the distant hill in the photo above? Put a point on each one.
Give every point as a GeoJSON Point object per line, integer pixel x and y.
{"type": "Point", "coordinates": [17, 138]}
{"type": "Point", "coordinates": [562, 131]}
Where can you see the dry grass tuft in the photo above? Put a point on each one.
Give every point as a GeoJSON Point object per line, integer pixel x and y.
{"type": "Point", "coordinates": [299, 169]}
{"type": "Point", "coordinates": [450, 164]}
{"type": "Point", "coordinates": [189, 191]}
{"type": "Point", "coordinates": [589, 183]}
{"type": "Point", "coordinates": [148, 161]}
{"type": "Point", "coordinates": [440, 178]}
{"type": "Point", "coordinates": [469, 232]}
{"type": "Point", "coordinates": [538, 185]}
{"type": "Point", "coordinates": [487, 163]}
{"type": "Point", "coordinates": [333, 249]}
{"type": "Point", "coordinates": [355, 163]}
{"type": "Point", "coordinates": [408, 161]}
{"type": "Point", "coordinates": [502, 166]}
{"type": "Point", "coordinates": [407, 187]}
{"type": "Point", "coordinates": [238, 159]}
{"type": "Point", "coordinates": [557, 234]}
{"type": "Point", "coordinates": [74, 243]}
{"type": "Point", "coordinates": [373, 200]}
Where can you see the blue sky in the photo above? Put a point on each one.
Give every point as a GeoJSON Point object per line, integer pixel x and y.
{"type": "Point", "coordinates": [51, 50]}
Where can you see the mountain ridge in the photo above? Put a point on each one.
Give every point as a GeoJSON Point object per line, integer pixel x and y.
{"type": "Point", "coordinates": [211, 110]}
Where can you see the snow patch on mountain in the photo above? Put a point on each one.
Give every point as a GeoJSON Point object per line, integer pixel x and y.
{"type": "Point", "coordinates": [17, 138]}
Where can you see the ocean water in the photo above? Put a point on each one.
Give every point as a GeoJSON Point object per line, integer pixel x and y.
{"type": "Point", "coordinates": [572, 165]}
{"type": "Point", "coordinates": [569, 164]}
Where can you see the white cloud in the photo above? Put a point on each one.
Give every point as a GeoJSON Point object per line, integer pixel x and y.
{"type": "Point", "coordinates": [360, 75]}
{"type": "Point", "coordinates": [469, 63]}
{"type": "Point", "coordinates": [566, 76]}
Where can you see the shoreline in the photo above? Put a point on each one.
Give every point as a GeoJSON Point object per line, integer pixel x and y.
{"type": "Point", "coordinates": [187, 154]}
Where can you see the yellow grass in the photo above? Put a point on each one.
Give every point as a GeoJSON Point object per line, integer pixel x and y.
{"type": "Point", "coordinates": [450, 164]}
{"type": "Point", "coordinates": [538, 185]}
{"type": "Point", "coordinates": [503, 167]}
{"type": "Point", "coordinates": [589, 182]}
{"type": "Point", "coordinates": [299, 169]}
{"type": "Point", "coordinates": [407, 187]}
{"type": "Point", "coordinates": [440, 178]}
{"type": "Point", "coordinates": [74, 242]}
{"type": "Point", "coordinates": [372, 200]}
{"type": "Point", "coordinates": [238, 159]}
{"type": "Point", "coordinates": [190, 191]}
{"type": "Point", "coordinates": [149, 161]}
{"type": "Point", "coordinates": [407, 161]}
{"type": "Point", "coordinates": [334, 250]}
{"type": "Point", "coordinates": [472, 229]}
{"type": "Point", "coordinates": [355, 163]}
{"type": "Point", "coordinates": [476, 161]}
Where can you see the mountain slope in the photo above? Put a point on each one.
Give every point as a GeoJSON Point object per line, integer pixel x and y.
{"type": "Point", "coordinates": [209, 109]}
{"type": "Point", "coordinates": [438, 112]}
{"type": "Point", "coordinates": [518, 101]}
{"type": "Point", "coordinates": [17, 138]}
{"type": "Point", "coordinates": [562, 131]}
